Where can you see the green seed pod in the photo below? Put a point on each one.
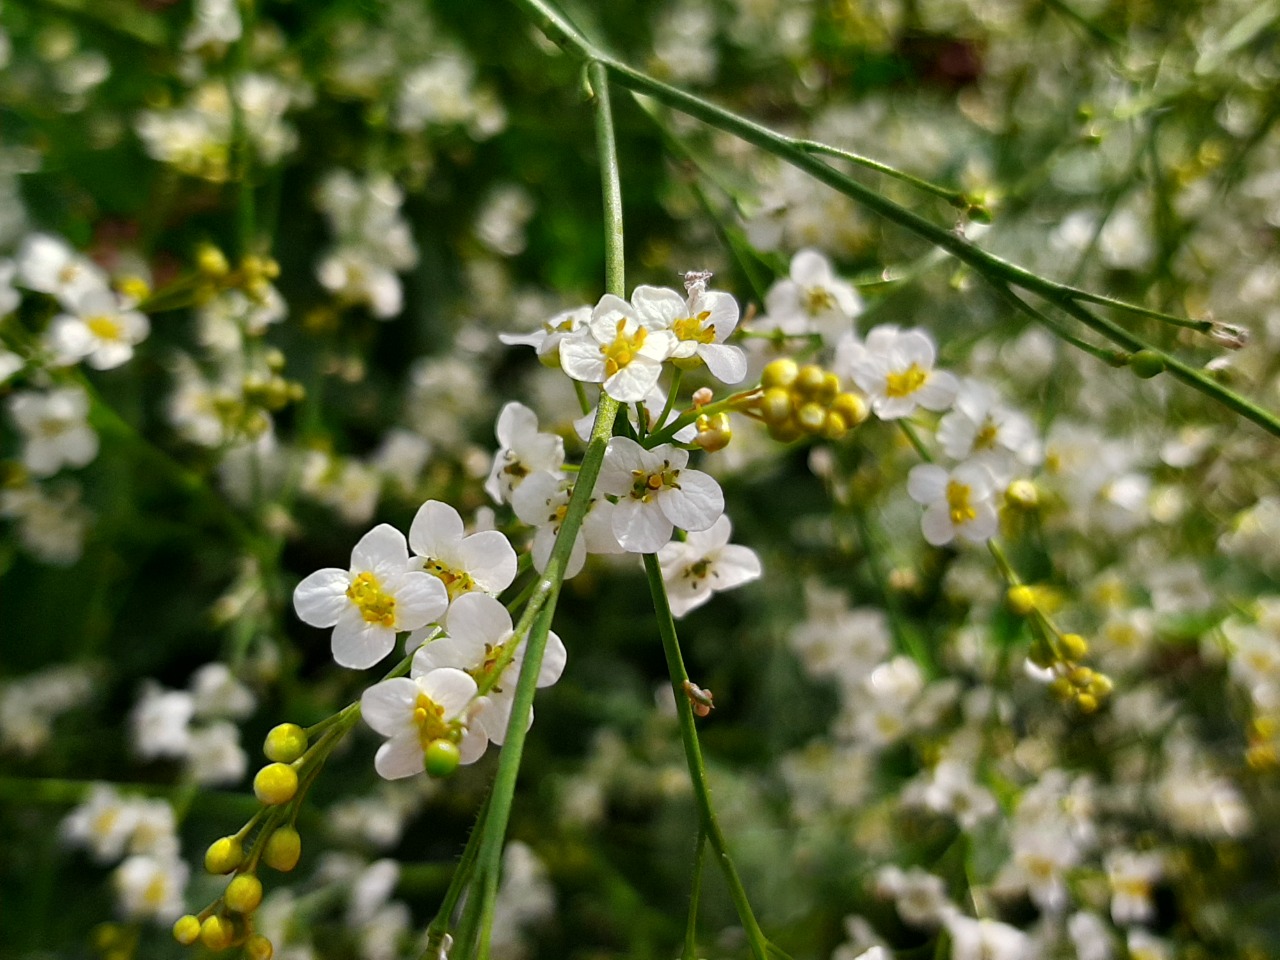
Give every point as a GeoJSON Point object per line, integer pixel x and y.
{"type": "Point", "coordinates": [285, 743]}
{"type": "Point", "coordinates": [1146, 364]}
{"type": "Point", "coordinates": [276, 783]}
{"type": "Point", "coordinates": [223, 855]}
{"type": "Point", "coordinates": [441, 758]}
{"type": "Point", "coordinates": [283, 849]}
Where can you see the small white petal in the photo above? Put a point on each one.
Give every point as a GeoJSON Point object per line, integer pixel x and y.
{"type": "Point", "coordinates": [322, 596]}
{"type": "Point", "coordinates": [388, 706]}
{"type": "Point", "coordinates": [359, 645]}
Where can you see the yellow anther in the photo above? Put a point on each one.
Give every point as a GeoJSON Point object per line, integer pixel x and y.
{"type": "Point", "coordinates": [374, 604]}
{"type": "Point", "coordinates": [959, 503]}
{"type": "Point", "coordinates": [905, 383]}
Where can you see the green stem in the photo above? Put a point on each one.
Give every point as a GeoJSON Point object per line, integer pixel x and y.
{"type": "Point", "coordinates": [991, 268]}
{"type": "Point", "coordinates": [953, 197]}
{"type": "Point", "coordinates": [695, 894]}
{"type": "Point", "coordinates": [693, 755]}
{"type": "Point", "coordinates": [910, 433]}
{"type": "Point", "coordinates": [536, 619]}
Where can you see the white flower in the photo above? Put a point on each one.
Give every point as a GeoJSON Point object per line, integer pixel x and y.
{"type": "Point", "coordinates": [55, 429]}
{"type": "Point", "coordinates": [356, 277]}
{"type": "Point", "coordinates": [483, 561]}
{"type": "Point", "coordinates": [542, 502]}
{"type": "Point", "coordinates": [522, 451]}
{"type": "Point", "coordinates": [102, 824]}
{"type": "Point", "coordinates": [151, 887]}
{"type": "Point", "coordinates": [380, 595]}
{"type": "Point", "coordinates": [986, 939]}
{"type": "Point", "coordinates": [9, 297]}
{"type": "Point", "coordinates": [49, 265]}
{"type": "Point", "coordinates": [656, 493]}
{"type": "Point", "coordinates": [99, 331]}
{"type": "Point", "coordinates": [51, 521]}
{"type": "Point", "coordinates": [959, 502]}
{"type": "Point", "coordinates": [218, 693]}
{"type": "Point", "coordinates": [704, 564]}
{"type": "Point", "coordinates": [618, 350]}
{"type": "Point", "coordinates": [215, 756]}
{"type": "Point", "coordinates": [546, 341]}
{"type": "Point", "coordinates": [700, 325]}
{"type": "Point", "coordinates": [1132, 875]}
{"type": "Point", "coordinates": [413, 713]}
{"type": "Point", "coordinates": [979, 426]}
{"type": "Point", "coordinates": [10, 363]}
{"type": "Point", "coordinates": [160, 722]}
{"type": "Point", "coordinates": [478, 633]}
{"type": "Point", "coordinates": [215, 22]}
{"type": "Point", "coordinates": [895, 369]}
{"type": "Point", "coordinates": [812, 300]}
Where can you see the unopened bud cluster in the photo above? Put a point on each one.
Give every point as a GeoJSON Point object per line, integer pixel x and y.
{"type": "Point", "coordinates": [1051, 649]}
{"type": "Point", "coordinates": [228, 921]}
{"type": "Point", "coordinates": [796, 401]}
{"type": "Point", "coordinates": [252, 276]}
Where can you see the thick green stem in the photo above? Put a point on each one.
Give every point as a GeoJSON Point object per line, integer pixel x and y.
{"type": "Point", "coordinates": [693, 755]}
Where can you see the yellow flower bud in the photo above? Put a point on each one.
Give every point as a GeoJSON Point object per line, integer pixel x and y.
{"type": "Point", "coordinates": [258, 947]}
{"type": "Point", "coordinates": [211, 261]}
{"type": "Point", "coordinates": [283, 849]}
{"type": "Point", "coordinates": [243, 893]}
{"type": "Point", "coordinates": [276, 783]}
{"type": "Point", "coordinates": [223, 855]}
{"type": "Point", "coordinates": [1022, 599]}
{"type": "Point", "coordinates": [217, 932]}
{"type": "Point", "coordinates": [186, 929]}
{"type": "Point", "coordinates": [1074, 646]}
{"type": "Point", "coordinates": [811, 417]}
{"type": "Point", "coordinates": [775, 406]}
{"type": "Point", "coordinates": [779, 373]}
{"type": "Point", "coordinates": [809, 380]}
{"type": "Point", "coordinates": [851, 407]}
{"type": "Point", "coordinates": [285, 743]}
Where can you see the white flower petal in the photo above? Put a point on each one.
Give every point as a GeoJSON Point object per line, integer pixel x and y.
{"type": "Point", "coordinates": [388, 706]}
{"type": "Point", "coordinates": [400, 757]}
{"type": "Point", "coordinates": [696, 505]}
{"type": "Point", "coordinates": [359, 645]}
{"type": "Point", "coordinates": [420, 599]}
{"type": "Point", "coordinates": [322, 596]}
{"type": "Point", "coordinates": [436, 530]}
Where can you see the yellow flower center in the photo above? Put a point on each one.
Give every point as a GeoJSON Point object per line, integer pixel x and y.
{"type": "Point", "coordinates": [104, 328]}
{"type": "Point", "coordinates": [644, 484]}
{"type": "Point", "coordinates": [154, 895]}
{"type": "Point", "coordinates": [428, 717]}
{"type": "Point", "coordinates": [905, 383]}
{"type": "Point", "coordinates": [623, 349]}
{"type": "Point", "coordinates": [958, 503]}
{"type": "Point", "coordinates": [484, 673]}
{"type": "Point", "coordinates": [690, 328]}
{"type": "Point", "coordinates": [818, 299]}
{"type": "Point", "coordinates": [457, 582]}
{"type": "Point", "coordinates": [698, 570]}
{"type": "Point", "coordinates": [374, 604]}
{"type": "Point", "coordinates": [986, 438]}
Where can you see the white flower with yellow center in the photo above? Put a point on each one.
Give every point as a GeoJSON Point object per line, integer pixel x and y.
{"type": "Point", "coordinates": [483, 561]}
{"type": "Point", "coordinates": [546, 339]}
{"type": "Point", "coordinates": [618, 350]}
{"type": "Point", "coordinates": [49, 264]}
{"type": "Point", "coordinates": [982, 427]}
{"type": "Point", "coordinates": [543, 501]}
{"type": "Point", "coordinates": [701, 323]}
{"type": "Point", "coordinates": [704, 564]}
{"type": "Point", "coordinates": [414, 713]}
{"type": "Point", "coordinates": [151, 888]}
{"type": "Point", "coordinates": [655, 494]}
{"type": "Point", "coordinates": [960, 502]}
{"type": "Point", "coordinates": [99, 331]}
{"type": "Point", "coordinates": [811, 300]}
{"type": "Point", "coordinates": [55, 429]}
{"type": "Point", "coordinates": [522, 451]}
{"type": "Point", "coordinates": [478, 638]}
{"type": "Point", "coordinates": [894, 368]}
{"type": "Point", "coordinates": [381, 595]}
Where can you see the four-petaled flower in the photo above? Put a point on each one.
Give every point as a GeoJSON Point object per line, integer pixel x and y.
{"type": "Point", "coordinates": [414, 713]}
{"type": "Point", "coordinates": [478, 638]}
{"type": "Point", "coordinates": [704, 564]}
{"type": "Point", "coordinates": [700, 324]}
{"type": "Point", "coordinates": [655, 494]}
{"type": "Point", "coordinates": [522, 451]}
{"type": "Point", "coordinates": [618, 350]}
{"type": "Point", "coordinates": [895, 369]}
{"type": "Point", "coordinates": [482, 561]}
{"type": "Point", "coordinates": [957, 502]}
{"type": "Point", "coordinates": [382, 594]}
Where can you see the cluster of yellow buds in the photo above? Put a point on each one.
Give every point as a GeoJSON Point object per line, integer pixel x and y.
{"type": "Point", "coordinates": [1263, 752]}
{"type": "Point", "coordinates": [228, 921]}
{"type": "Point", "coordinates": [253, 275]}
{"type": "Point", "coordinates": [1052, 649]}
{"type": "Point", "coordinates": [796, 401]}
{"type": "Point", "coordinates": [271, 391]}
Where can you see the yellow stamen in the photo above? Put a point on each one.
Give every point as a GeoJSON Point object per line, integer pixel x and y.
{"type": "Point", "coordinates": [374, 604]}
{"type": "Point", "coordinates": [959, 504]}
{"type": "Point", "coordinates": [905, 383]}
{"type": "Point", "coordinates": [428, 717]}
{"type": "Point", "coordinates": [986, 438]}
{"type": "Point", "coordinates": [104, 328]}
{"type": "Point", "coordinates": [690, 328]}
{"type": "Point", "coordinates": [457, 582]}
{"type": "Point", "coordinates": [816, 300]}
{"type": "Point", "coordinates": [623, 349]}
